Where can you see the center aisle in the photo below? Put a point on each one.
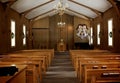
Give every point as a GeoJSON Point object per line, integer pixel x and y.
{"type": "Point", "coordinates": [61, 70]}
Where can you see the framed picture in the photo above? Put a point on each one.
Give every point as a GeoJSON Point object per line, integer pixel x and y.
{"type": "Point", "coordinates": [82, 31]}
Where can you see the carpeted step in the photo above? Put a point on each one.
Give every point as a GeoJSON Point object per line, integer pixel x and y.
{"type": "Point", "coordinates": [61, 70]}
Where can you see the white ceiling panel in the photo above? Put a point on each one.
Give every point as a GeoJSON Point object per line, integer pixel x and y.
{"type": "Point", "coordinates": [24, 5]}
{"type": "Point", "coordinates": [80, 8]}
{"type": "Point", "coordinates": [40, 10]}
{"type": "Point", "coordinates": [45, 15]}
{"type": "Point", "coordinates": [100, 5]}
{"type": "Point", "coordinates": [75, 14]}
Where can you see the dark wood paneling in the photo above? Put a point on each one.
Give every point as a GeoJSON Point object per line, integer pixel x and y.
{"type": "Point", "coordinates": [6, 14]}
{"type": "Point", "coordinates": [66, 33]}
{"type": "Point", "coordinates": [104, 36]}
{"type": "Point", "coordinates": [40, 38]}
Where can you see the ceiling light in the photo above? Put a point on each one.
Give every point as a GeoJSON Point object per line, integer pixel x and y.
{"type": "Point", "coordinates": [61, 23]}
{"type": "Point", "coordinates": [60, 7]}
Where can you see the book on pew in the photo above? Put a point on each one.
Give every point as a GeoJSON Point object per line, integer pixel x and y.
{"type": "Point", "coordinates": [8, 71]}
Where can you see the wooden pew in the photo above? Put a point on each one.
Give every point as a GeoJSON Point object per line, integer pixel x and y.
{"type": "Point", "coordinates": [109, 75]}
{"type": "Point", "coordinates": [94, 63]}
{"type": "Point", "coordinates": [32, 71]}
{"type": "Point", "coordinates": [85, 53]}
{"type": "Point", "coordinates": [41, 58]}
{"type": "Point", "coordinates": [92, 54]}
{"type": "Point", "coordinates": [35, 54]}
{"type": "Point", "coordinates": [34, 65]}
{"type": "Point", "coordinates": [76, 52]}
{"type": "Point", "coordinates": [28, 57]}
{"type": "Point", "coordinates": [94, 57]}
{"type": "Point", "coordinates": [49, 53]}
{"type": "Point", "coordinates": [82, 57]}
{"type": "Point", "coordinates": [93, 60]}
{"type": "Point", "coordinates": [18, 77]}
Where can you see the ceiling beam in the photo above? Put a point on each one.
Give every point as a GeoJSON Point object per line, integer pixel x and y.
{"type": "Point", "coordinates": [11, 2]}
{"type": "Point", "coordinates": [79, 13]}
{"type": "Point", "coordinates": [42, 14]}
{"type": "Point", "coordinates": [94, 10]}
{"type": "Point", "coordinates": [26, 12]}
{"type": "Point", "coordinates": [5, 1]}
{"type": "Point", "coordinates": [115, 7]}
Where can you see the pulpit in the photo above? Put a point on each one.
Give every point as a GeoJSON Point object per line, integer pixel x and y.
{"type": "Point", "coordinates": [61, 46]}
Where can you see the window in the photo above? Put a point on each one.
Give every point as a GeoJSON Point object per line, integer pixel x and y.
{"type": "Point", "coordinates": [24, 35]}
{"type": "Point", "coordinates": [91, 35]}
{"type": "Point", "coordinates": [98, 34]}
{"type": "Point", "coordinates": [12, 33]}
{"type": "Point", "coordinates": [110, 32]}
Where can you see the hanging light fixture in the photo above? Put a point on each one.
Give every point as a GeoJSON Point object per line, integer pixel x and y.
{"type": "Point", "coordinates": [61, 23]}
{"type": "Point", "coordinates": [60, 7]}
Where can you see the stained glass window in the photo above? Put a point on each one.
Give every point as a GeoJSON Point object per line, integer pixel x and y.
{"type": "Point", "coordinates": [12, 33]}
{"type": "Point", "coordinates": [24, 35]}
{"type": "Point", "coordinates": [91, 35]}
{"type": "Point", "coordinates": [110, 32]}
{"type": "Point", "coordinates": [98, 34]}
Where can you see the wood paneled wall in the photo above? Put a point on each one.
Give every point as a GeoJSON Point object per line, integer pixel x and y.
{"type": "Point", "coordinates": [66, 34]}
{"type": "Point", "coordinates": [53, 33]}
{"type": "Point", "coordinates": [41, 23]}
{"type": "Point", "coordinates": [103, 19]}
{"type": "Point", "coordinates": [40, 38]}
{"type": "Point", "coordinates": [6, 14]}
{"type": "Point", "coordinates": [50, 32]}
{"type": "Point", "coordinates": [3, 31]}
{"type": "Point", "coordinates": [40, 33]}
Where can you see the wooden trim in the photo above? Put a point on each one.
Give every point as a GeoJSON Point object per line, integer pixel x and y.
{"type": "Point", "coordinates": [8, 3]}
{"type": "Point", "coordinates": [11, 3]}
{"type": "Point", "coordinates": [40, 28]}
{"type": "Point", "coordinates": [12, 0]}
{"type": "Point", "coordinates": [115, 7]}
{"type": "Point", "coordinates": [2, 1]}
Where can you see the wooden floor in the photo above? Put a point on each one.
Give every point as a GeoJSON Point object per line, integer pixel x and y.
{"type": "Point", "coordinates": [61, 70]}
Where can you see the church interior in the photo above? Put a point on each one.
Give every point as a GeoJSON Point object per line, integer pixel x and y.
{"type": "Point", "coordinates": [49, 41]}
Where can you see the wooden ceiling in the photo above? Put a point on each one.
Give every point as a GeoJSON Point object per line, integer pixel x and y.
{"type": "Point", "coordinates": [37, 9]}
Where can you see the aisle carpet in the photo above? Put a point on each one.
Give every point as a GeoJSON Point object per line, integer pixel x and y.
{"type": "Point", "coordinates": [61, 70]}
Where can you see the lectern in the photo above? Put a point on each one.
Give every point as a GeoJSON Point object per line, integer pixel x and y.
{"type": "Point", "coordinates": [61, 46]}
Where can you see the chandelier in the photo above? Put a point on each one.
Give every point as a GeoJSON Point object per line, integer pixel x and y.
{"type": "Point", "coordinates": [60, 7]}
{"type": "Point", "coordinates": [61, 23]}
